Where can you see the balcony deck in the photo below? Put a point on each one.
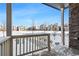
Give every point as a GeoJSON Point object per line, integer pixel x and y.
{"type": "Point", "coordinates": [57, 50]}
{"type": "Point", "coordinates": [63, 51]}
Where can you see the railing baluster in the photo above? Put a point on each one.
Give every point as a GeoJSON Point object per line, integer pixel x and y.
{"type": "Point", "coordinates": [4, 48]}
{"type": "Point", "coordinates": [39, 42]}
{"type": "Point", "coordinates": [23, 45]}
{"type": "Point", "coordinates": [7, 46]}
{"type": "Point", "coordinates": [45, 42]}
{"type": "Point", "coordinates": [49, 43]}
{"type": "Point", "coordinates": [27, 45]}
{"type": "Point", "coordinates": [35, 43]}
{"type": "Point", "coordinates": [20, 46]}
{"type": "Point", "coordinates": [32, 43]}
{"type": "Point", "coordinates": [16, 46]}
{"type": "Point", "coordinates": [1, 50]}
{"type": "Point", "coordinates": [42, 41]}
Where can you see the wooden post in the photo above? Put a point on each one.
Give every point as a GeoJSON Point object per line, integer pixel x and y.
{"type": "Point", "coordinates": [62, 23]}
{"type": "Point", "coordinates": [9, 26]}
{"type": "Point", "coordinates": [49, 48]}
{"type": "Point", "coordinates": [9, 19]}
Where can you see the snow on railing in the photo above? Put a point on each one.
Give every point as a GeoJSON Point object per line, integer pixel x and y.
{"type": "Point", "coordinates": [3, 39]}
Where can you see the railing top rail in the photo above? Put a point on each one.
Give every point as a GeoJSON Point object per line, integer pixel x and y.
{"type": "Point", "coordinates": [30, 35]}
{"type": "Point", "coordinates": [3, 39]}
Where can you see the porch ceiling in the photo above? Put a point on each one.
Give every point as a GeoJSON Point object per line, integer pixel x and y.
{"type": "Point", "coordinates": [57, 5]}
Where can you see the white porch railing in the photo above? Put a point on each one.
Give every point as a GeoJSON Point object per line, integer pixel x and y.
{"type": "Point", "coordinates": [20, 45]}
{"type": "Point", "coordinates": [4, 46]}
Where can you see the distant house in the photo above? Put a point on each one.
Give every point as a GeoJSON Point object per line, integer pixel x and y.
{"type": "Point", "coordinates": [55, 27]}
{"type": "Point", "coordinates": [59, 28]}
{"type": "Point", "coordinates": [31, 28]}
{"type": "Point", "coordinates": [43, 27]}
{"type": "Point", "coordinates": [50, 27]}
{"type": "Point", "coordinates": [66, 27]}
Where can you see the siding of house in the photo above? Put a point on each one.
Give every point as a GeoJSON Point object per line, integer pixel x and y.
{"type": "Point", "coordinates": [74, 25]}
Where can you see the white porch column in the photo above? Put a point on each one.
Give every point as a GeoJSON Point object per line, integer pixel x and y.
{"type": "Point", "coordinates": [62, 24]}
{"type": "Point", "coordinates": [8, 19]}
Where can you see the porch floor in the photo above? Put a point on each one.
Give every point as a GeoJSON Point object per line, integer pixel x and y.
{"type": "Point", "coordinates": [62, 51]}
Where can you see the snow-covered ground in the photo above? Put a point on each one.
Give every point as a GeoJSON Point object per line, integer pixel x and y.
{"type": "Point", "coordinates": [55, 37]}
{"type": "Point", "coordinates": [25, 32]}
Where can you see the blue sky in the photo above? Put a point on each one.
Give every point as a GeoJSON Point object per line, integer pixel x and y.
{"type": "Point", "coordinates": [24, 14]}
